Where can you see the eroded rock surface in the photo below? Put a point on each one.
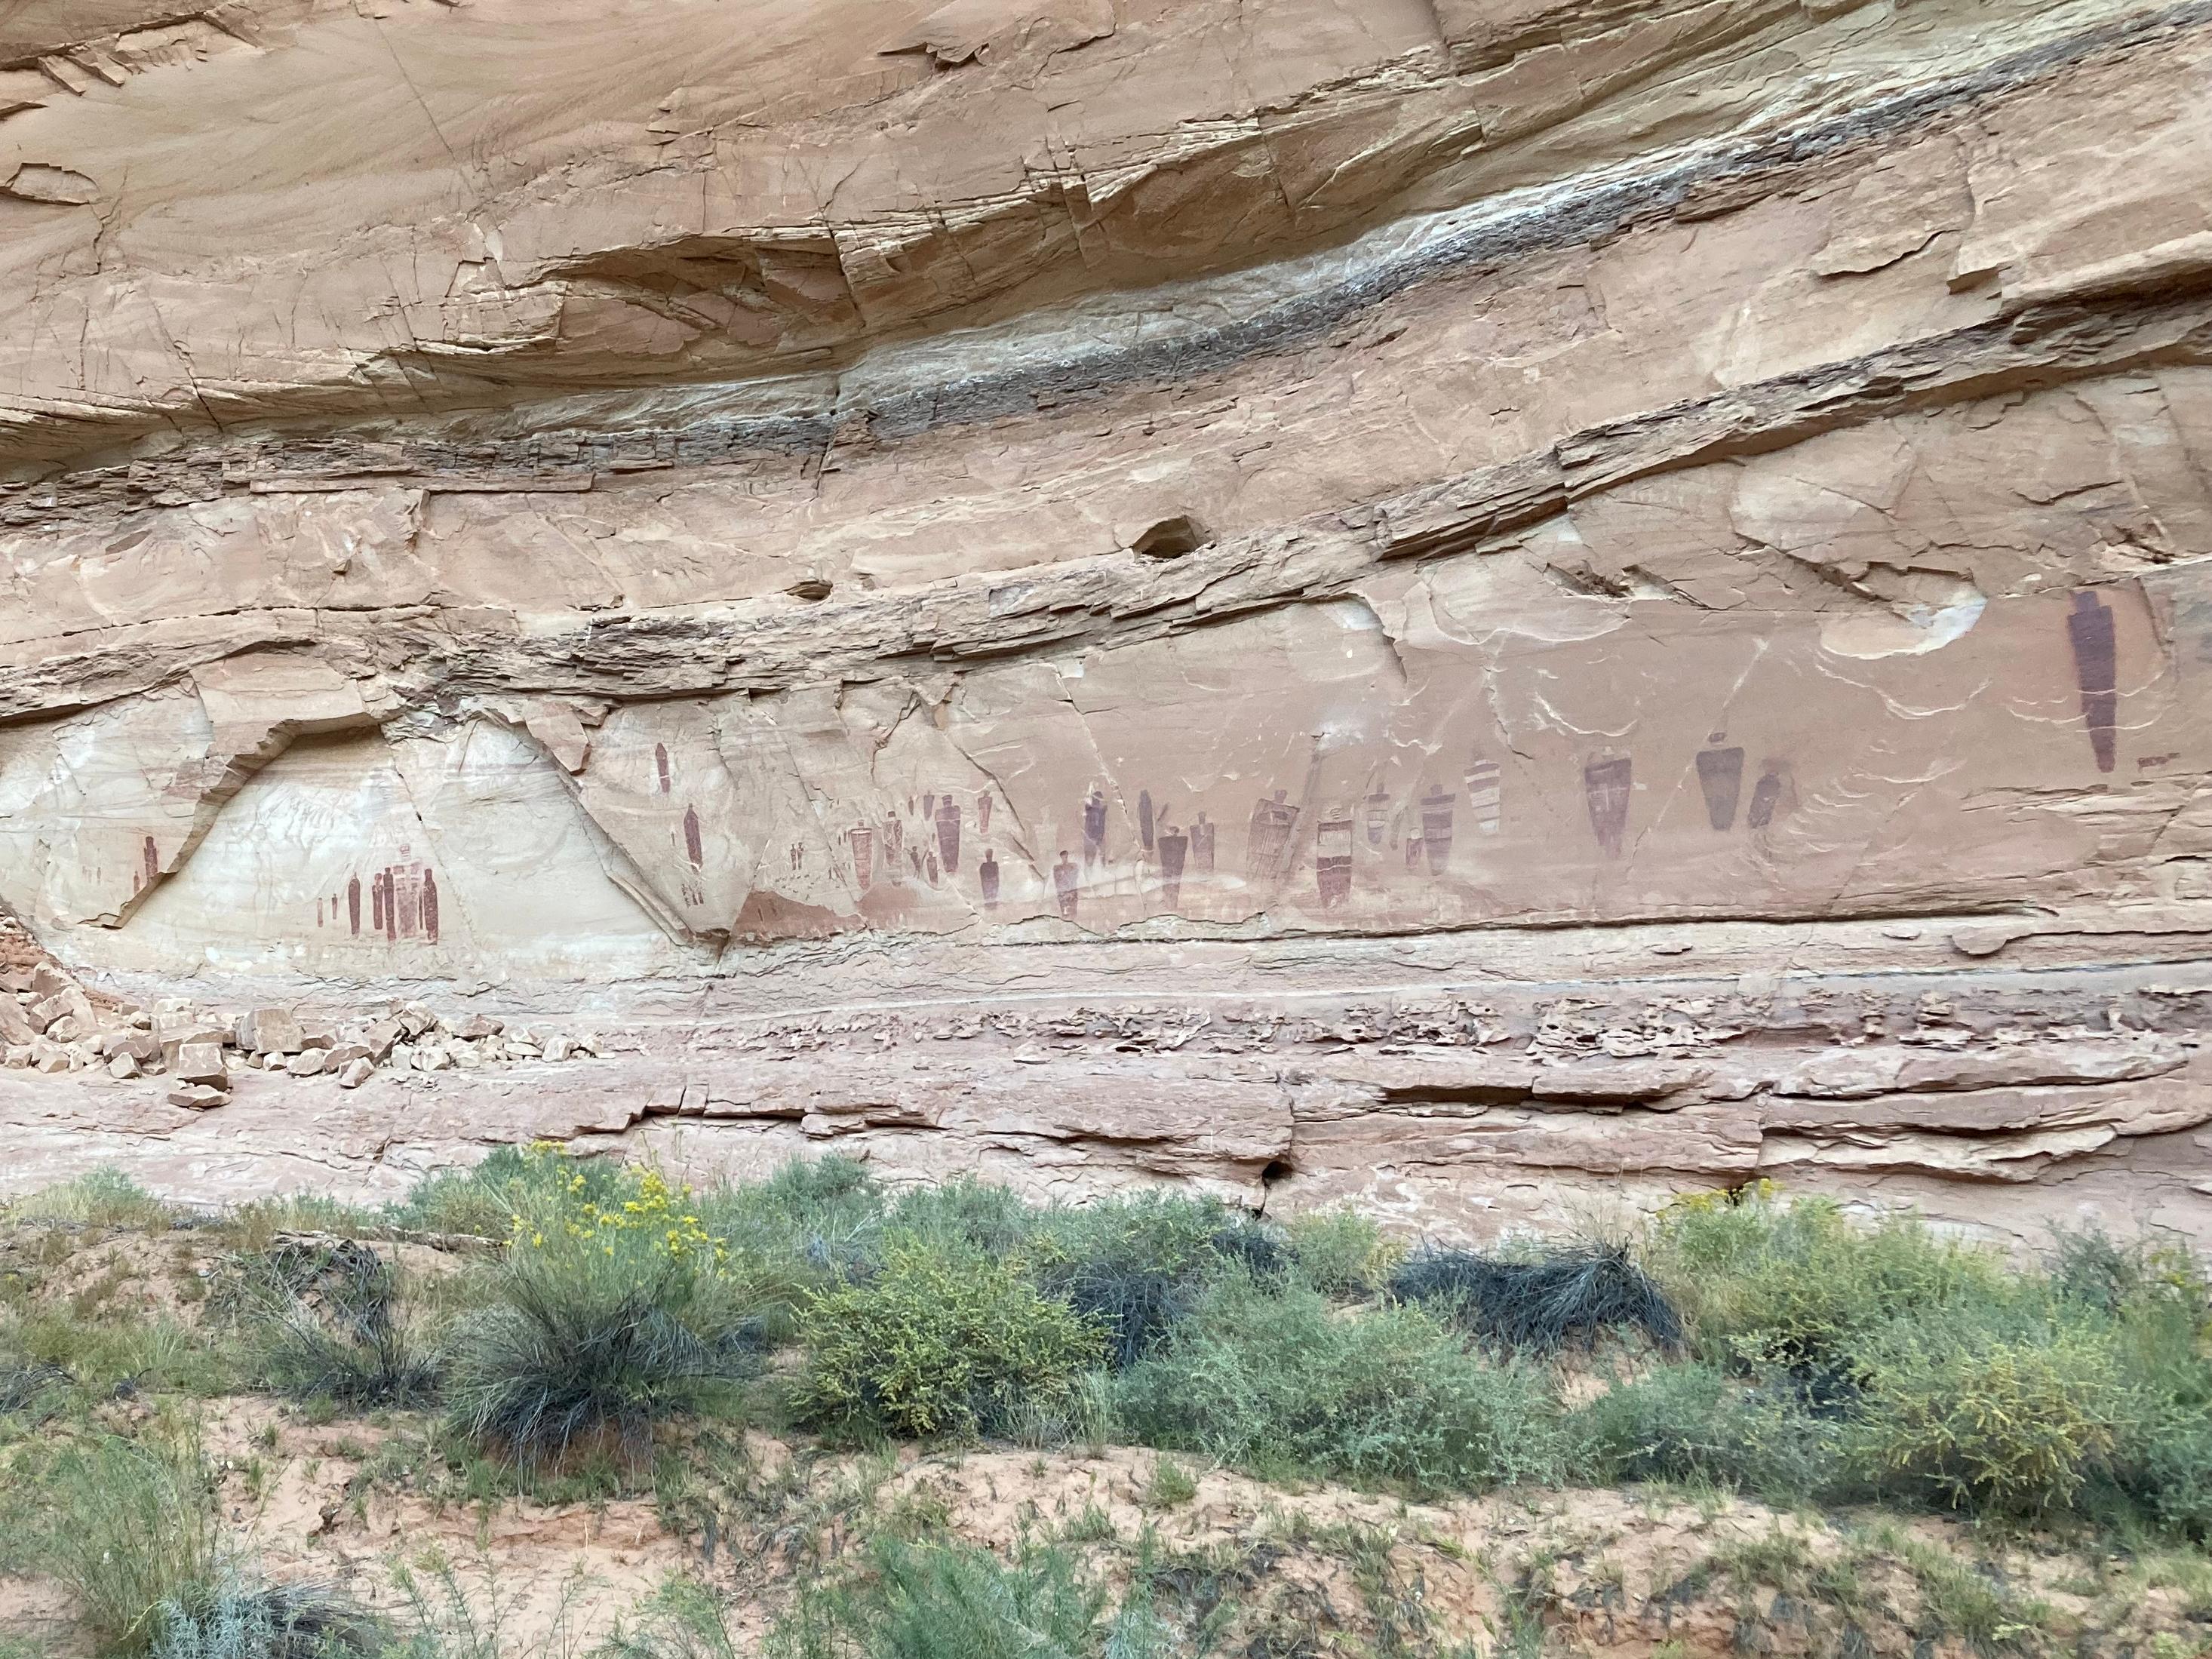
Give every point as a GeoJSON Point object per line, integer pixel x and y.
{"type": "Point", "coordinates": [1496, 608]}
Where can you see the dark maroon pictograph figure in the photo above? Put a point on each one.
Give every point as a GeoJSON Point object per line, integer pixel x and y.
{"type": "Point", "coordinates": [894, 844]}
{"type": "Point", "coordinates": [929, 868]}
{"type": "Point", "coordinates": [1201, 846]}
{"type": "Point", "coordinates": [1063, 886]}
{"type": "Point", "coordinates": [1333, 857]}
{"type": "Point", "coordinates": [1175, 852]}
{"type": "Point", "coordinates": [988, 874]}
{"type": "Point", "coordinates": [983, 811]}
{"type": "Point", "coordinates": [1094, 826]}
{"type": "Point", "coordinates": [430, 906]}
{"type": "Point", "coordinates": [929, 805]}
{"type": "Point", "coordinates": [1267, 843]}
{"type": "Point", "coordinates": [862, 840]}
{"type": "Point", "coordinates": [152, 856]}
{"type": "Point", "coordinates": [1765, 796]}
{"type": "Point", "coordinates": [1720, 778]}
{"type": "Point", "coordinates": [1436, 827]}
{"type": "Point", "coordinates": [353, 904]}
{"type": "Point", "coordinates": [948, 833]}
{"type": "Point", "coordinates": [692, 848]}
{"type": "Point", "coordinates": [1605, 787]}
{"type": "Point", "coordinates": [2096, 671]}
{"type": "Point", "coordinates": [1145, 818]}
{"type": "Point", "coordinates": [660, 764]}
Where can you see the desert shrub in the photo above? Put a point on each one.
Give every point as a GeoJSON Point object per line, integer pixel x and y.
{"type": "Point", "coordinates": [2012, 1415]}
{"type": "Point", "coordinates": [945, 1339]}
{"type": "Point", "coordinates": [610, 1313]}
{"type": "Point", "coordinates": [1767, 1281]}
{"type": "Point", "coordinates": [108, 1357]}
{"type": "Point", "coordinates": [99, 1198]}
{"type": "Point", "coordinates": [260, 1224]}
{"type": "Point", "coordinates": [681, 1619]}
{"type": "Point", "coordinates": [484, 1202]}
{"type": "Point", "coordinates": [1341, 1252]}
{"type": "Point", "coordinates": [1541, 1301]}
{"type": "Point", "coordinates": [129, 1529]}
{"type": "Point", "coordinates": [809, 1225]}
{"type": "Point", "coordinates": [25, 1381]}
{"type": "Point", "coordinates": [234, 1616]}
{"type": "Point", "coordinates": [964, 1212]}
{"type": "Point", "coordinates": [1277, 1383]}
{"type": "Point", "coordinates": [1695, 1424]}
{"type": "Point", "coordinates": [947, 1600]}
{"type": "Point", "coordinates": [1137, 1263]}
{"type": "Point", "coordinates": [325, 1320]}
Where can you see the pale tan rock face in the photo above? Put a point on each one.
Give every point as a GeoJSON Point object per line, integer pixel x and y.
{"type": "Point", "coordinates": [1495, 609]}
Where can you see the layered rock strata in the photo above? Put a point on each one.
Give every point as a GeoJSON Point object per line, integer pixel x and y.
{"type": "Point", "coordinates": [1496, 608]}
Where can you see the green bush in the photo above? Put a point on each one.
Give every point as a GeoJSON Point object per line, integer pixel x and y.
{"type": "Point", "coordinates": [485, 1200]}
{"type": "Point", "coordinates": [805, 1228]}
{"type": "Point", "coordinates": [1136, 1263]}
{"type": "Point", "coordinates": [610, 1313]}
{"type": "Point", "coordinates": [233, 1616]}
{"type": "Point", "coordinates": [980, 1214]}
{"type": "Point", "coordinates": [131, 1530]}
{"type": "Point", "coordinates": [681, 1619]}
{"type": "Point", "coordinates": [326, 1321]}
{"type": "Point", "coordinates": [1764, 1280]}
{"type": "Point", "coordinates": [99, 1198]}
{"type": "Point", "coordinates": [1340, 1253]}
{"type": "Point", "coordinates": [943, 1600]}
{"type": "Point", "coordinates": [1696, 1425]}
{"type": "Point", "coordinates": [2008, 1417]}
{"type": "Point", "coordinates": [945, 1339]}
{"type": "Point", "coordinates": [1276, 1382]}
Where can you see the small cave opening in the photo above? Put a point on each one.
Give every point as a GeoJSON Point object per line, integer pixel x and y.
{"type": "Point", "coordinates": [1171, 538]}
{"type": "Point", "coordinates": [1278, 1171]}
{"type": "Point", "coordinates": [813, 588]}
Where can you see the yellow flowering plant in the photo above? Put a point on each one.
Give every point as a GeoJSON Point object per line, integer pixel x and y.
{"type": "Point", "coordinates": [613, 1311]}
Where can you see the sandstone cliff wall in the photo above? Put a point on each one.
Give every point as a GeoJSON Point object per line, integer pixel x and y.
{"type": "Point", "coordinates": [1496, 607]}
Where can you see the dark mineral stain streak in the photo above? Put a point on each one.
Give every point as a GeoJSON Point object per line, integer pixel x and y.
{"type": "Point", "coordinates": [1720, 776]}
{"type": "Point", "coordinates": [2096, 671]}
{"type": "Point", "coordinates": [1605, 787]}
